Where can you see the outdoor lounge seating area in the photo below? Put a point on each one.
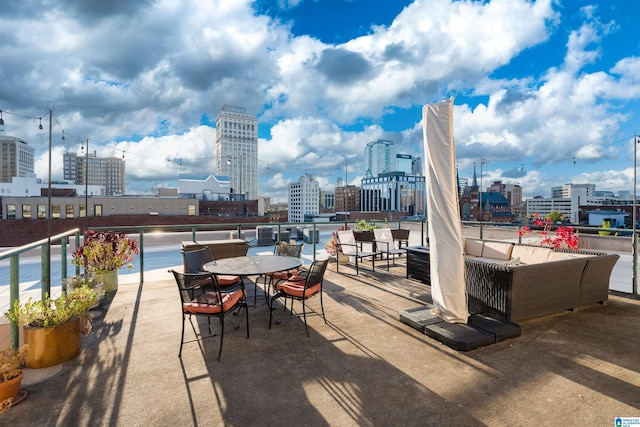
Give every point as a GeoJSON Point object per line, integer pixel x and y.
{"type": "Point", "coordinates": [515, 281]}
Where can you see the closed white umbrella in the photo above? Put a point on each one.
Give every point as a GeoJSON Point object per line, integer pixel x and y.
{"type": "Point", "coordinates": [445, 233]}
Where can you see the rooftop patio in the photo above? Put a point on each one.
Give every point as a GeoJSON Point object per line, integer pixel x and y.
{"type": "Point", "coordinates": [364, 367]}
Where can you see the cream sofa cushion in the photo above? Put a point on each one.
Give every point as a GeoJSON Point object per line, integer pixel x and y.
{"type": "Point", "coordinates": [473, 247]}
{"type": "Point", "coordinates": [497, 250]}
{"type": "Point", "coordinates": [531, 254]}
{"type": "Point", "coordinates": [558, 256]}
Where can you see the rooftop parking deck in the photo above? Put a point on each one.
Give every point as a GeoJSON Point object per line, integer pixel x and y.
{"type": "Point", "coordinates": [364, 367]}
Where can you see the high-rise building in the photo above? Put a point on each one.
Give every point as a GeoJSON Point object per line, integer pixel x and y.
{"type": "Point", "coordinates": [347, 198]}
{"type": "Point", "coordinates": [380, 157]}
{"type": "Point", "coordinates": [17, 158]}
{"type": "Point", "coordinates": [304, 198]}
{"type": "Point", "coordinates": [237, 150]}
{"type": "Point", "coordinates": [327, 201]}
{"type": "Point", "coordinates": [410, 165]}
{"type": "Point", "coordinates": [393, 191]}
{"type": "Point", "coordinates": [108, 172]}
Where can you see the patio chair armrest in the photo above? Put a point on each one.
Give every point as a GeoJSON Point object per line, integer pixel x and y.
{"type": "Point", "coordinates": [379, 242]}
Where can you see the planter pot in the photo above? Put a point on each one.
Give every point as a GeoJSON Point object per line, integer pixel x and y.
{"type": "Point", "coordinates": [342, 258]}
{"type": "Point", "coordinates": [364, 236]}
{"type": "Point", "coordinates": [10, 389]}
{"type": "Point", "coordinates": [109, 280]}
{"type": "Point", "coordinates": [98, 289]}
{"type": "Point", "coordinates": [51, 346]}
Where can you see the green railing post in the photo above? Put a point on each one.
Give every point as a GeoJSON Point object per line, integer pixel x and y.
{"type": "Point", "coordinates": [63, 259]}
{"type": "Point", "coordinates": [634, 284]}
{"type": "Point", "coordinates": [141, 244]}
{"type": "Point", "coordinates": [77, 239]}
{"type": "Point", "coordinates": [45, 270]}
{"type": "Point", "coordinates": [314, 240]}
{"type": "Point", "coordinates": [14, 294]}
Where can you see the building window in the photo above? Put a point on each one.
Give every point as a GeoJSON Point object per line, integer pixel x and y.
{"type": "Point", "coordinates": [42, 211]}
{"type": "Point", "coordinates": [83, 211]}
{"type": "Point", "coordinates": [97, 210]}
{"type": "Point", "coordinates": [191, 210]}
{"type": "Point", "coordinates": [70, 211]}
{"type": "Point", "coordinates": [55, 211]}
{"type": "Point", "coordinates": [26, 211]}
{"type": "Point", "coordinates": [11, 211]}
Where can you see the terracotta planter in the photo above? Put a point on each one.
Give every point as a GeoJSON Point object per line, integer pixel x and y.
{"type": "Point", "coordinates": [51, 346]}
{"type": "Point", "coordinates": [9, 389]}
{"type": "Point", "coordinates": [109, 280]}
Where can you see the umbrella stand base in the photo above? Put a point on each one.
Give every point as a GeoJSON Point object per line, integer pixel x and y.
{"type": "Point", "coordinates": [481, 330]}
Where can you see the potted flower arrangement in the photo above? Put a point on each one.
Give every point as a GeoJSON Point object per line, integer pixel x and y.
{"type": "Point", "coordinates": [564, 237]}
{"type": "Point", "coordinates": [333, 248]}
{"type": "Point", "coordinates": [103, 253]}
{"type": "Point", "coordinates": [363, 231]}
{"type": "Point", "coordinates": [88, 279]}
{"type": "Point", "coordinates": [52, 328]}
{"type": "Point", "coordinates": [11, 375]}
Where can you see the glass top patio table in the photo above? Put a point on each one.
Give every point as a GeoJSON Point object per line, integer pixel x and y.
{"type": "Point", "coordinates": [252, 265]}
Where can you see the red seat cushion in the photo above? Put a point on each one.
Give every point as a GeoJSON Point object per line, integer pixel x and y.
{"type": "Point", "coordinates": [295, 288]}
{"type": "Point", "coordinates": [283, 275]}
{"type": "Point", "coordinates": [223, 280]}
{"type": "Point", "coordinates": [226, 280]}
{"type": "Point", "coordinates": [208, 303]}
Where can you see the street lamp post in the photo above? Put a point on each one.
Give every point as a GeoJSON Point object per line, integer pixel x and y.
{"type": "Point", "coordinates": [636, 141]}
{"type": "Point", "coordinates": [86, 188]}
{"type": "Point", "coordinates": [481, 206]}
{"type": "Point", "coordinates": [46, 289]}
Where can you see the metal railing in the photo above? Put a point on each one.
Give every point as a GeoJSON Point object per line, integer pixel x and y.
{"type": "Point", "coordinates": [13, 255]}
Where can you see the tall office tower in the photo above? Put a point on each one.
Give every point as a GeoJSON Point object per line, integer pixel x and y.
{"type": "Point", "coordinates": [237, 150]}
{"type": "Point", "coordinates": [304, 198]}
{"type": "Point", "coordinates": [108, 172]}
{"type": "Point", "coordinates": [380, 157]}
{"type": "Point", "coordinates": [17, 158]}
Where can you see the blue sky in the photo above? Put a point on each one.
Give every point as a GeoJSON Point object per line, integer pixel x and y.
{"type": "Point", "coordinates": [546, 92]}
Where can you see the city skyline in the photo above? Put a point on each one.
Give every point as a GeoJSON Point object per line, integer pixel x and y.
{"type": "Point", "coordinates": [546, 93]}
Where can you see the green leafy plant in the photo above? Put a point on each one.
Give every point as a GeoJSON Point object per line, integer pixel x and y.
{"type": "Point", "coordinates": [363, 225]}
{"type": "Point", "coordinates": [105, 251]}
{"type": "Point", "coordinates": [44, 313]}
{"type": "Point", "coordinates": [290, 248]}
{"type": "Point", "coordinates": [79, 281]}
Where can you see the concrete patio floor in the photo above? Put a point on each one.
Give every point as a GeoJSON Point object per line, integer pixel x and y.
{"type": "Point", "coordinates": [363, 368]}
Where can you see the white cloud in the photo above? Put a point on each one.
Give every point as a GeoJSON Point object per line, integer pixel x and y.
{"type": "Point", "coordinates": [141, 76]}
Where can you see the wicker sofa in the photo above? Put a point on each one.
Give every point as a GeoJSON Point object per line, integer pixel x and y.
{"type": "Point", "coordinates": [516, 282]}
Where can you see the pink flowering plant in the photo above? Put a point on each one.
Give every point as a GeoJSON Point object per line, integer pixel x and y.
{"type": "Point", "coordinates": [104, 251]}
{"type": "Point", "coordinates": [332, 247]}
{"type": "Point", "coordinates": [564, 237]}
